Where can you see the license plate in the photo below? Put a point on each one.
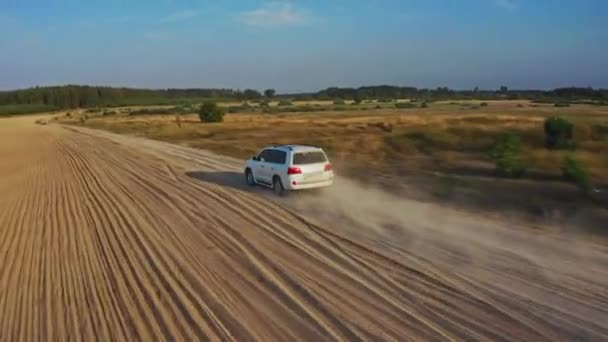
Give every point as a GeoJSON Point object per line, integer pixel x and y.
{"type": "Point", "coordinates": [313, 175]}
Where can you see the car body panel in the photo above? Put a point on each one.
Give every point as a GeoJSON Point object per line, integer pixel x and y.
{"type": "Point", "coordinates": [275, 161]}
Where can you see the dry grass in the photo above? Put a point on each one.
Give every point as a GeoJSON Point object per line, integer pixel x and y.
{"type": "Point", "coordinates": [435, 153]}
{"type": "Point", "coordinates": [443, 136]}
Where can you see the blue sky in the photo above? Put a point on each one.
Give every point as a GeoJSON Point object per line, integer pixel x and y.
{"type": "Point", "coordinates": [304, 45]}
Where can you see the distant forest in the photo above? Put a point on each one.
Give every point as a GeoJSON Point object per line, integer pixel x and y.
{"type": "Point", "coordinates": [72, 96]}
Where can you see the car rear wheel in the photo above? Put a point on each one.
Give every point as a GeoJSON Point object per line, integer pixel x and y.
{"type": "Point", "coordinates": [249, 178]}
{"type": "Point", "coordinates": [277, 186]}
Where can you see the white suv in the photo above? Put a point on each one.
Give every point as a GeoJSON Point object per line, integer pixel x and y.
{"type": "Point", "coordinates": [289, 167]}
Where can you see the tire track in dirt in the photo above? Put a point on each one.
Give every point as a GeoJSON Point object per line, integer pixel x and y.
{"type": "Point", "coordinates": [106, 237]}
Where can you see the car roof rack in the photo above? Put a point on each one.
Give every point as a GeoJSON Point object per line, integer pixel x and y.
{"type": "Point", "coordinates": [291, 146]}
{"type": "Point", "coordinates": [282, 145]}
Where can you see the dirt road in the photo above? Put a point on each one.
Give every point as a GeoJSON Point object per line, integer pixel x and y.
{"type": "Point", "coordinates": [121, 238]}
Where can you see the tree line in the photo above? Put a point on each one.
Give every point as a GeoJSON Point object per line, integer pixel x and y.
{"type": "Point", "coordinates": [445, 93]}
{"type": "Point", "coordinates": [73, 96]}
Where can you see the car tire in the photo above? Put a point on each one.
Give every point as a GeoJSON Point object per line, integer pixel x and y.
{"type": "Point", "coordinates": [249, 178]}
{"type": "Point", "coordinates": [277, 186]}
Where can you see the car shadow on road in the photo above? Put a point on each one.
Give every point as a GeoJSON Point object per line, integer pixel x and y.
{"type": "Point", "coordinates": [236, 180]}
{"type": "Point", "coordinates": [229, 179]}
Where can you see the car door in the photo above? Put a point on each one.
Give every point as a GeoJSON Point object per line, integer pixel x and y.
{"type": "Point", "coordinates": [262, 167]}
{"type": "Point", "coordinates": [278, 163]}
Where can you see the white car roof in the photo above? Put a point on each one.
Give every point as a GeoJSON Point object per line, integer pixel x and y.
{"type": "Point", "coordinates": [297, 148]}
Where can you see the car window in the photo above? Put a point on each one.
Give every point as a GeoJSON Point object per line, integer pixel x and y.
{"type": "Point", "coordinates": [275, 156]}
{"type": "Point", "coordinates": [279, 157]}
{"type": "Point", "coordinates": [266, 155]}
{"type": "Point", "coordinates": [315, 157]}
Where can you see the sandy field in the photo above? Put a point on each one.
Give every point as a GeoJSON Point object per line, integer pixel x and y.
{"type": "Point", "coordinates": [110, 237]}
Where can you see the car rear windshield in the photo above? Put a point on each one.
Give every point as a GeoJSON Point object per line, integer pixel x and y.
{"type": "Point", "coordinates": [309, 158]}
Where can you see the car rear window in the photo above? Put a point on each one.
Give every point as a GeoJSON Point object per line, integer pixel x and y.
{"type": "Point", "coordinates": [309, 158]}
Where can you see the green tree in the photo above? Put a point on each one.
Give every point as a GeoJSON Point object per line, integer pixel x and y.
{"type": "Point", "coordinates": [574, 171]}
{"type": "Point", "coordinates": [558, 133]}
{"type": "Point", "coordinates": [269, 93]}
{"type": "Point", "coordinates": [251, 94]}
{"type": "Point", "coordinates": [506, 154]}
{"type": "Point", "coordinates": [211, 112]}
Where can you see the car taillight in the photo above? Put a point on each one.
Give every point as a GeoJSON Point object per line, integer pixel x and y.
{"type": "Point", "coordinates": [294, 171]}
{"type": "Point", "coordinates": [328, 167]}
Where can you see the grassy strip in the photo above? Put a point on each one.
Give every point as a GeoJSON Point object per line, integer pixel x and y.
{"type": "Point", "coordinates": [7, 110]}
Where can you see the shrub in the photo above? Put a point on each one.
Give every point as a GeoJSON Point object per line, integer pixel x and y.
{"type": "Point", "coordinates": [561, 104]}
{"type": "Point", "coordinates": [483, 104]}
{"type": "Point", "coordinates": [424, 105]}
{"type": "Point", "coordinates": [285, 103]}
{"type": "Point", "coordinates": [404, 105]}
{"type": "Point", "coordinates": [210, 112]}
{"type": "Point", "coordinates": [339, 102]}
{"type": "Point", "coordinates": [386, 127]}
{"type": "Point", "coordinates": [599, 131]}
{"type": "Point", "coordinates": [264, 103]}
{"type": "Point", "coordinates": [574, 171]}
{"type": "Point", "coordinates": [506, 154]}
{"type": "Point", "coordinates": [234, 109]}
{"type": "Point", "coordinates": [378, 107]}
{"type": "Point", "coordinates": [519, 105]}
{"type": "Point", "coordinates": [558, 133]}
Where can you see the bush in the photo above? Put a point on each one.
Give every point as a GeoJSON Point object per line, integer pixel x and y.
{"type": "Point", "coordinates": [506, 154]}
{"type": "Point", "coordinates": [264, 103]}
{"type": "Point", "coordinates": [558, 133]}
{"type": "Point", "coordinates": [405, 105]}
{"type": "Point", "coordinates": [386, 127]}
{"type": "Point", "coordinates": [339, 102]}
{"type": "Point", "coordinates": [234, 109]}
{"type": "Point", "coordinates": [283, 103]}
{"type": "Point", "coordinates": [599, 132]}
{"type": "Point", "coordinates": [424, 105]}
{"type": "Point", "coordinates": [210, 112]}
{"type": "Point", "coordinates": [574, 171]}
{"type": "Point", "coordinates": [561, 104]}
{"type": "Point", "coordinates": [483, 104]}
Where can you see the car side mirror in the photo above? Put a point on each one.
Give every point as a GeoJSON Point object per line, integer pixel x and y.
{"type": "Point", "coordinates": [254, 158]}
